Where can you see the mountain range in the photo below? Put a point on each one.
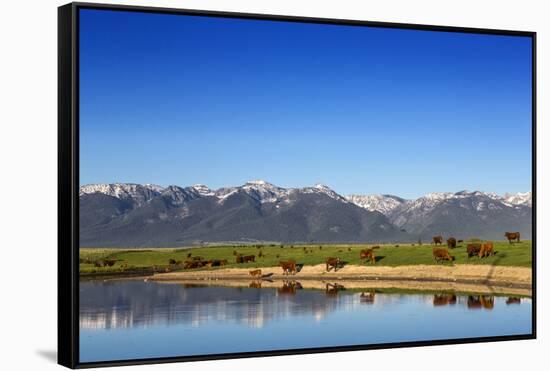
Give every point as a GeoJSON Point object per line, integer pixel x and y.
{"type": "Point", "coordinates": [135, 215]}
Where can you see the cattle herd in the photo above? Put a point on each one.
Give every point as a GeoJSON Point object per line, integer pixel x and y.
{"type": "Point", "coordinates": [290, 267]}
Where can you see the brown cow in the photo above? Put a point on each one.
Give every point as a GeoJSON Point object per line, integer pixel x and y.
{"type": "Point", "coordinates": [437, 240]}
{"type": "Point", "coordinates": [332, 263]}
{"type": "Point", "coordinates": [248, 258]}
{"type": "Point", "coordinates": [441, 254]}
{"type": "Point", "coordinates": [289, 267]}
{"type": "Point", "coordinates": [190, 264]}
{"type": "Point", "coordinates": [473, 249]}
{"type": "Point", "coordinates": [511, 236]}
{"type": "Point", "coordinates": [172, 261]}
{"type": "Point", "coordinates": [223, 262]}
{"type": "Point", "coordinates": [486, 250]}
{"type": "Point", "coordinates": [368, 254]}
{"type": "Point", "coordinates": [255, 273]}
{"type": "Point", "coordinates": [451, 242]}
{"type": "Point", "coordinates": [109, 262]}
{"type": "Point", "coordinates": [239, 259]}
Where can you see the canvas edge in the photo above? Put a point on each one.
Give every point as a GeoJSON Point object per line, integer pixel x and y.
{"type": "Point", "coordinates": [67, 249]}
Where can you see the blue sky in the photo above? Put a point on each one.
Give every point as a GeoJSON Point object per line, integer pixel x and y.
{"type": "Point", "coordinates": [170, 99]}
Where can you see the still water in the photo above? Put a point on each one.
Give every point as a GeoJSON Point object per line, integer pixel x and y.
{"type": "Point", "coordinates": [136, 319]}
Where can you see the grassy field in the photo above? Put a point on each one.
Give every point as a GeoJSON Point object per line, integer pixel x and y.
{"type": "Point", "coordinates": [149, 260]}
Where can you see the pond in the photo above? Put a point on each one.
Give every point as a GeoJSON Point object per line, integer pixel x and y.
{"type": "Point", "coordinates": [133, 319]}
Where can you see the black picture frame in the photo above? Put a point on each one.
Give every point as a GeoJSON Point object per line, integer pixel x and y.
{"type": "Point", "coordinates": [68, 182]}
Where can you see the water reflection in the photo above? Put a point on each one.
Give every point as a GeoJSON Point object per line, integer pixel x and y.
{"type": "Point", "coordinates": [332, 289]}
{"type": "Point", "coordinates": [137, 319]}
{"type": "Point", "coordinates": [481, 301]}
{"type": "Point", "coordinates": [367, 297]}
{"type": "Point", "coordinates": [444, 299]}
{"type": "Point", "coordinates": [105, 305]}
{"type": "Point", "coordinates": [289, 288]}
{"type": "Point", "coordinates": [513, 300]}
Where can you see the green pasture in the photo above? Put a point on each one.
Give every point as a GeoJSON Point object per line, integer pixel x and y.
{"type": "Point", "coordinates": [132, 260]}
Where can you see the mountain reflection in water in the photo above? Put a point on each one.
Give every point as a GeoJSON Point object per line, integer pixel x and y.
{"type": "Point", "coordinates": [123, 304]}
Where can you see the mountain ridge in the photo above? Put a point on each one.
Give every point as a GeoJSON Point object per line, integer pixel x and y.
{"type": "Point", "coordinates": [128, 214]}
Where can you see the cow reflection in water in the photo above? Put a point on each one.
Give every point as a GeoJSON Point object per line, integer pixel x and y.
{"type": "Point", "coordinates": [367, 297]}
{"type": "Point", "coordinates": [513, 300]}
{"type": "Point", "coordinates": [255, 285]}
{"type": "Point", "coordinates": [444, 299]}
{"type": "Point", "coordinates": [481, 301]}
{"type": "Point", "coordinates": [331, 289]}
{"type": "Point", "coordinates": [289, 288]}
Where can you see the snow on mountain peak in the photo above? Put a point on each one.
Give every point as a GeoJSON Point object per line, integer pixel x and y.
{"type": "Point", "coordinates": [124, 191]}
{"type": "Point", "coordinates": [258, 182]}
{"type": "Point", "coordinates": [520, 198]}
{"type": "Point", "coordinates": [377, 202]}
{"type": "Point", "coordinates": [203, 190]}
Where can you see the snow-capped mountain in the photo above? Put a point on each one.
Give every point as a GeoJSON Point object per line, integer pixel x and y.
{"type": "Point", "coordinates": [382, 203]}
{"type": "Point", "coordinates": [137, 193]}
{"type": "Point", "coordinates": [525, 198]}
{"type": "Point", "coordinates": [255, 211]}
{"type": "Point", "coordinates": [149, 215]}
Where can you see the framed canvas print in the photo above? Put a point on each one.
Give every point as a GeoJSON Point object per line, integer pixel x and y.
{"type": "Point", "coordinates": [238, 185]}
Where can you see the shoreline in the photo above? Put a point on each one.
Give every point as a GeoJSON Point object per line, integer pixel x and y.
{"type": "Point", "coordinates": [502, 276]}
{"type": "Point", "coordinates": [399, 286]}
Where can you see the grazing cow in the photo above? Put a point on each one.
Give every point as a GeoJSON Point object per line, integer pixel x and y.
{"type": "Point", "coordinates": [255, 273]}
{"type": "Point", "coordinates": [249, 258]}
{"type": "Point", "coordinates": [109, 262]}
{"type": "Point", "coordinates": [239, 259]}
{"type": "Point", "coordinates": [367, 297]}
{"type": "Point", "coordinates": [441, 254]}
{"type": "Point", "coordinates": [512, 236]}
{"type": "Point", "coordinates": [191, 264]}
{"type": "Point", "coordinates": [446, 299]}
{"type": "Point", "coordinates": [289, 267]}
{"type": "Point", "coordinates": [437, 240]}
{"type": "Point", "coordinates": [332, 262]}
{"type": "Point", "coordinates": [189, 255]}
{"type": "Point", "coordinates": [368, 254]}
{"type": "Point", "coordinates": [513, 300]}
{"type": "Point", "coordinates": [223, 262]}
{"type": "Point", "coordinates": [473, 249]}
{"type": "Point", "coordinates": [486, 250]}
{"type": "Point", "coordinates": [451, 242]}
{"type": "Point", "coordinates": [171, 261]}
{"type": "Point", "coordinates": [214, 263]}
